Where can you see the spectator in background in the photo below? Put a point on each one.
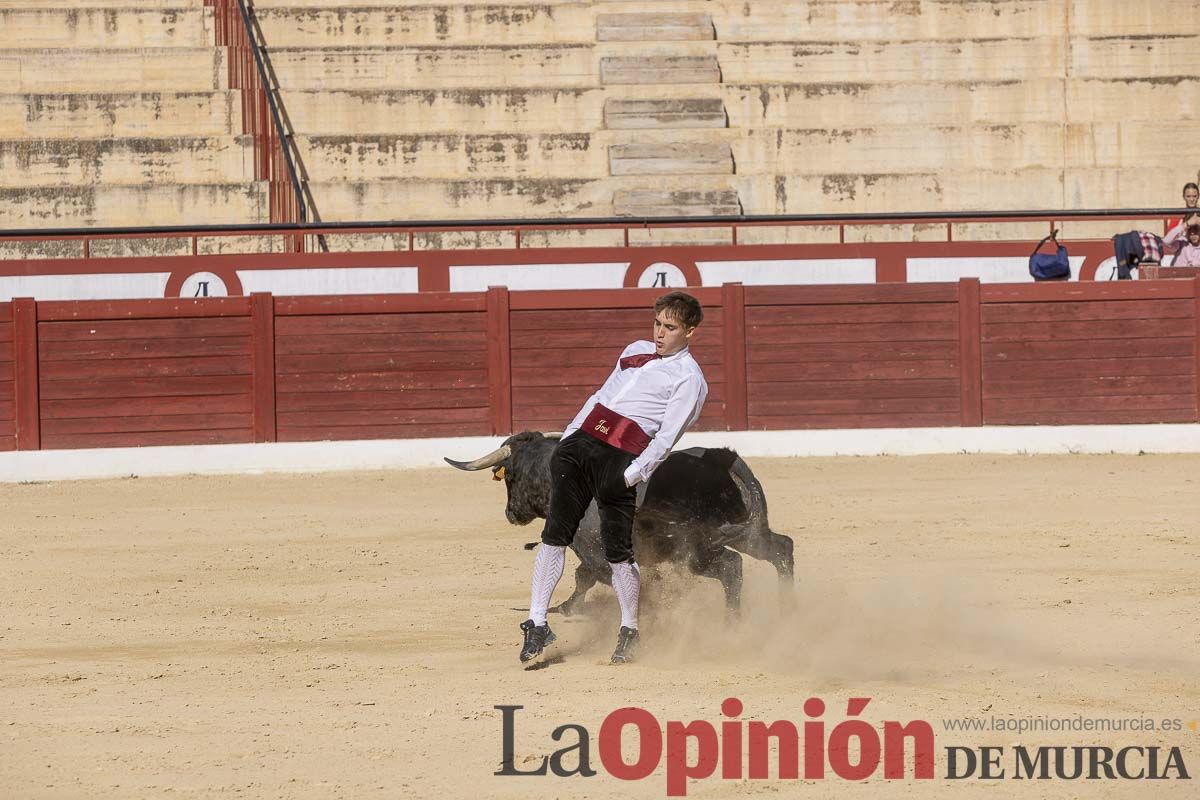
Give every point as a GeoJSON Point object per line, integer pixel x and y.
{"type": "Point", "coordinates": [1188, 252]}
{"type": "Point", "coordinates": [1191, 197]}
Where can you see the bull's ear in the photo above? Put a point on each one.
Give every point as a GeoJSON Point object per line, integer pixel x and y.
{"type": "Point", "coordinates": [498, 474]}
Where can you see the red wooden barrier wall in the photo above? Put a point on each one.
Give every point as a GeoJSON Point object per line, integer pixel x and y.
{"type": "Point", "coordinates": [852, 356]}
{"type": "Point", "coordinates": [8, 386]}
{"type": "Point", "coordinates": [99, 373]}
{"type": "Point", "coordinates": [1056, 358]}
{"type": "Point", "coordinates": [378, 367]}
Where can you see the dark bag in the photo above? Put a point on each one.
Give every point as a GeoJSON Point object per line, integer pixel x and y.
{"type": "Point", "coordinates": [1046, 267]}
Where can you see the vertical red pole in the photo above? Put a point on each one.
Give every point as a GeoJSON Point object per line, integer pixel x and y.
{"type": "Point", "coordinates": [970, 352]}
{"type": "Point", "coordinates": [499, 361]}
{"type": "Point", "coordinates": [262, 326]}
{"type": "Point", "coordinates": [25, 374]}
{"type": "Point", "coordinates": [733, 338]}
{"type": "Point", "coordinates": [1196, 348]}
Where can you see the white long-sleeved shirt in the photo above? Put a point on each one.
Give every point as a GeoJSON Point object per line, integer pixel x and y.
{"type": "Point", "coordinates": [664, 398]}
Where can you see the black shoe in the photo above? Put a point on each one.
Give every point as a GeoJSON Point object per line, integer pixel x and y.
{"type": "Point", "coordinates": [627, 641]}
{"type": "Point", "coordinates": [537, 638]}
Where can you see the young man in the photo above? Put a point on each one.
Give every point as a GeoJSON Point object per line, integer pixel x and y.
{"type": "Point", "coordinates": [619, 437]}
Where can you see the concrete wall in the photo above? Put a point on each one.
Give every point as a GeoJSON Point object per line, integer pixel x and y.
{"type": "Point", "coordinates": [486, 109]}
{"type": "Point", "coordinates": [118, 114]}
{"type": "Point", "coordinates": [454, 109]}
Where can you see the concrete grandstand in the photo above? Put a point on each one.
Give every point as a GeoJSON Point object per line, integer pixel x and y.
{"type": "Point", "coordinates": [119, 115]}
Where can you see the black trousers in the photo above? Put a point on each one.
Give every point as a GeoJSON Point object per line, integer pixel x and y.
{"type": "Point", "coordinates": [583, 468]}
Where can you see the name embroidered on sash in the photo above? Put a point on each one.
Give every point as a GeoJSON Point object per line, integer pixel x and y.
{"type": "Point", "coordinates": [611, 428]}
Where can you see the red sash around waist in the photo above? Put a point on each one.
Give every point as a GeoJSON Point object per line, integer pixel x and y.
{"type": "Point", "coordinates": [611, 428]}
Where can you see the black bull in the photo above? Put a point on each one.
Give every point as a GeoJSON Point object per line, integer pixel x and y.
{"type": "Point", "coordinates": [701, 508]}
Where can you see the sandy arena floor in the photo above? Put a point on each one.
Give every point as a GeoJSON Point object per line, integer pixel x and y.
{"type": "Point", "coordinates": [348, 635]}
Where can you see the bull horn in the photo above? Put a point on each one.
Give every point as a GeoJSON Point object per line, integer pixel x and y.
{"type": "Point", "coordinates": [552, 435]}
{"type": "Point", "coordinates": [490, 460]}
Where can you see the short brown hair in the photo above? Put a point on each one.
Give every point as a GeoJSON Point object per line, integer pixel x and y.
{"type": "Point", "coordinates": [682, 306]}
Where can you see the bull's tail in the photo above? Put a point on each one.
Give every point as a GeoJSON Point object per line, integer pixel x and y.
{"type": "Point", "coordinates": [752, 493]}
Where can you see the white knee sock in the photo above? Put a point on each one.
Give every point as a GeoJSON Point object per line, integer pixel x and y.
{"type": "Point", "coordinates": [547, 569]}
{"type": "Point", "coordinates": [627, 582]}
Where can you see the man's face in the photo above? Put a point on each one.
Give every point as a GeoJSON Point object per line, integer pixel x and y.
{"type": "Point", "coordinates": [1191, 197]}
{"type": "Point", "coordinates": [670, 336]}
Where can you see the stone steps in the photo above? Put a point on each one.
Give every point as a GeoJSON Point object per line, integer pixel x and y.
{"type": "Point", "coordinates": [450, 156]}
{"type": "Point", "coordinates": [1167, 55]}
{"type": "Point", "coordinates": [86, 162]}
{"type": "Point", "coordinates": [448, 110]}
{"type": "Point", "coordinates": [654, 27]}
{"type": "Point", "coordinates": [446, 156]}
{"type": "Point", "coordinates": [132, 206]}
{"type": "Point", "coordinates": [676, 203]}
{"type": "Point", "coordinates": [147, 69]}
{"type": "Point", "coordinates": [71, 26]}
{"type": "Point", "coordinates": [891, 61]}
{"type": "Point", "coordinates": [102, 4]}
{"type": "Point", "coordinates": [469, 68]}
{"type": "Point", "coordinates": [387, 4]}
{"type": "Point", "coordinates": [71, 116]}
{"type": "Point", "coordinates": [867, 21]}
{"type": "Point", "coordinates": [674, 158]}
{"type": "Point", "coordinates": [850, 104]}
{"type": "Point", "coordinates": [683, 113]}
{"type": "Point", "coordinates": [522, 198]}
{"type": "Point", "coordinates": [424, 25]}
{"type": "Point", "coordinates": [971, 190]}
{"type": "Point", "coordinates": [659, 69]}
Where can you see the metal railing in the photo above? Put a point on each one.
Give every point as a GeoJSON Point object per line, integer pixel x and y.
{"type": "Point", "coordinates": [261, 119]}
{"type": "Point", "coordinates": [1154, 219]}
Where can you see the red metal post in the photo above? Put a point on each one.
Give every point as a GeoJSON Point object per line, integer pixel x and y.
{"type": "Point", "coordinates": [25, 373]}
{"type": "Point", "coordinates": [1196, 319]}
{"type": "Point", "coordinates": [499, 361]}
{"type": "Point", "coordinates": [970, 352]}
{"type": "Point", "coordinates": [733, 335]}
{"type": "Point", "coordinates": [262, 326]}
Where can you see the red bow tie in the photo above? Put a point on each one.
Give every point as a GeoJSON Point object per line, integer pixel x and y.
{"type": "Point", "coordinates": [633, 362]}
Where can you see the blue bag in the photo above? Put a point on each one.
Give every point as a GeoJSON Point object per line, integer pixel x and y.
{"type": "Point", "coordinates": [1046, 267]}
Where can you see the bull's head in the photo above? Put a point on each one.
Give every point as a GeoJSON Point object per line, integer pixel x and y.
{"type": "Point", "coordinates": [523, 463]}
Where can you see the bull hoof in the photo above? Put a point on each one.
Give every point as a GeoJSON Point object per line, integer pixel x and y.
{"type": "Point", "coordinates": [562, 608]}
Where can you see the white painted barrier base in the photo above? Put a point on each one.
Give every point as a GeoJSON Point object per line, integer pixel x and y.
{"type": "Point", "coordinates": [48, 465]}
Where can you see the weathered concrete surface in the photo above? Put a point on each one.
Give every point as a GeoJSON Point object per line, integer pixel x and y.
{"type": "Point", "coordinates": [473, 67]}
{"type": "Point", "coordinates": [675, 158]}
{"type": "Point", "coordinates": [483, 23]}
{"type": "Point", "coordinates": [654, 27]}
{"type": "Point", "coordinates": [72, 26]}
{"type": "Point", "coordinates": [120, 206]}
{"type": "Point", "coordinates": [659, 237]}
{"type": "Point", "coordinates": [453, 155]}
{"type": "Point", "coordinates": [701, 112]}
{"type": "Point", "coordinates": [401, 199]}
{"type": "Point", "coordinates": [676, 203]}
{"type": "Point", "coordinates": [856, 104]}
{"type": "Point", "coordinates": [657, 69]}
{"type": "Point", "coordinates": [872, 21]}
{"type": "Point", "coordinates": [149, 69]}
{"type": "Point", "coordinates": [87, 162]}
{"type": "Point", "coordinates": [869, 62]}
{"type": "Point", "coordinates": [72, 115]}
{"type": "Point", "coordinates": [374, 112]}
{"type": "Point", "coordinates": [900, 149]}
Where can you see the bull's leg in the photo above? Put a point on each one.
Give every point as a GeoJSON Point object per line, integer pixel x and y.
{"type": "Point", "coordinates": [726, 566]}
{"type": "Point", "coordinates": [584, 579]}
{"type": "Point", "coordinates": [774, 548]}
